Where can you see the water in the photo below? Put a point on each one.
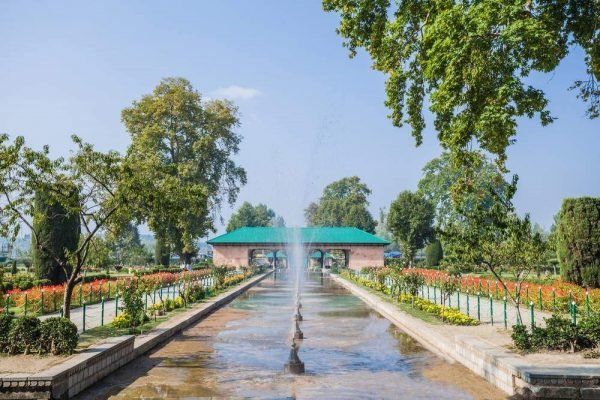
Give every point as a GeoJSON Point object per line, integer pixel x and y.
{"type": "Point", "coordinates": [349, 352]}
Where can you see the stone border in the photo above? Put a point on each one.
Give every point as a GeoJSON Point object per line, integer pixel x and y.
{"type": "Point", "coordinates": [505, 370]}
{"type": "Point", "coordinates": [74, 375]}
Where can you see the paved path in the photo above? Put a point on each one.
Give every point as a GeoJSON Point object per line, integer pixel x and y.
{"type": "Point", "coordinates": [93, 312]}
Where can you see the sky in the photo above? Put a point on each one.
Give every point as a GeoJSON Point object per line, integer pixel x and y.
{"type": "Point", "coordinates": [310, 115]}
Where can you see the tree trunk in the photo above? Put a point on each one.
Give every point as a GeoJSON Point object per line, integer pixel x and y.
{"type": "Point", "coordinates": [69, 288]}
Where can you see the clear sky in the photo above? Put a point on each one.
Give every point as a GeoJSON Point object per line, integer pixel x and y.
{"type": "Point", "coordinates": [310, 115]}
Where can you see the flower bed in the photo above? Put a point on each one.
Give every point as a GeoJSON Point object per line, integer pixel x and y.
{"type": "Point", "coordinates": [46, 299]}
{"type": "Point", "coordinates": [446, 314]}
{"type": "Point", "coordinates": [551, 297]}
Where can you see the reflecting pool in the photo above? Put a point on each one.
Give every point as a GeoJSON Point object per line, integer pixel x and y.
{"type": "Point", "coordinates": [349, 351]}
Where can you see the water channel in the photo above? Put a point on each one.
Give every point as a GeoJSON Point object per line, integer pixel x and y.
{"type": "Point", "coordinates": [349, 351]}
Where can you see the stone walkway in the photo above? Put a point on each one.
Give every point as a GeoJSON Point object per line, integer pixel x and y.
{"type": "Point", "coordinates": [93, 312]}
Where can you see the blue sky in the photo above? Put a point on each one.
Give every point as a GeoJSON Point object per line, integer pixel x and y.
{"type": "Point", "coordinates": [310, 115]}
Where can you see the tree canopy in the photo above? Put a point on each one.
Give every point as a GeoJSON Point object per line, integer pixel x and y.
{"type": "Point", "coordinates": [485, 183]}
{"type": "Point", "coordinates": [411, 222]}
{"type": "Point", "coordinates": [470, 61]}
{"type": "Point", "coordinates": [343, 203]}
{"type": "Point", "coordinates": [181, 149]}
{"type": "Point", "coordinates": [99, 200]}
{"type": "Point", "coordinates": [249, 215]}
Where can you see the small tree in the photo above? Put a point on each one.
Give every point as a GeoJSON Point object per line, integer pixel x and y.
{"type": "Point", "coordinates": [410, 220]}
{"type": "Point", "coordinates": [99, 203]}
{"type": "Point", "coordinates": [133, 304]}
{"type": "Point", "coordinates": [495, 237]}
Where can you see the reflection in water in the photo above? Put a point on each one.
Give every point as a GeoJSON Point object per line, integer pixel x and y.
{"type": "Point", "coordinates": [349, 352]}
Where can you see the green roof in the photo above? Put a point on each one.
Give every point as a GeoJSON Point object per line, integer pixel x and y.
{"type": "Point", "coordinates": [323, 235]}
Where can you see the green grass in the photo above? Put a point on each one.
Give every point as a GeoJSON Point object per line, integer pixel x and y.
{"type": "Point", "coordinates": [94, 335]}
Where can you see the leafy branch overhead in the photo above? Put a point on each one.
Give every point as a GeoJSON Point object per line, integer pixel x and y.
{"type": "Point", "coordinates": [469, 61]}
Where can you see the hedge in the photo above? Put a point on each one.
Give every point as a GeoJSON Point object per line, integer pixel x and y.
{"type": "Point", "coordinates": [578, 240]}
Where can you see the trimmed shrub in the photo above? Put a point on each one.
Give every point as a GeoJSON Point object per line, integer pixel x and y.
{"type": "Point", "coordinates": [590, 328]}
{"type": "Point", "coordinates": [521, 338]}
{"type": "Point", "coordinates": [58, 336]}
{"type": "Point", "coordinates": [5, 324]}
{"type": "Point", "coordinates": [433, 254]}
{"type": "Point", "coordinates": [578, 240]}
{"type": "Point", "coordinates": [24, 335]}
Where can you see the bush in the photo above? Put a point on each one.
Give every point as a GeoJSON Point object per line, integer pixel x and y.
{"type": "Point", "coordinates": [578, 240]}
{"type": "Point", "coordinates": [24, 335]}
{"type": "Point", "coordinates": [193, 293]}
{"type": "Point", "coordinates": [178, 302]}
{"type": "Point", "coordinates": [590, 328]}
{"type": "Point", "coordinates": [122, 321]}
{"type": "Point", "coordinates": [58, 336]}
{"type": "Point", "coordinates": [433, 254]}
{"type": "Point", "coordinates": [5, 324]}
{"type": "Point", "coordinates": [561, 334]}
{"type": "Point", "coordinates": [521, 338]}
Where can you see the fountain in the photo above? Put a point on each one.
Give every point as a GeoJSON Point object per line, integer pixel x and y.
{"type": "Point", "coordinates": [298, 335]}
{"type": "Point", "coordinates": [293, 364]}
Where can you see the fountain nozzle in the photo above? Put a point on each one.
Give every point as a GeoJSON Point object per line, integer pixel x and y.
{"type": "Point", "coordinates": [298, 316]}
{"type": "Point", "coordinates": [297, 332]}
{"type": "Point", "coordinates": [294, 365]}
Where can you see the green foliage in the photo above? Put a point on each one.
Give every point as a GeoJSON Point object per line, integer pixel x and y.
{"type": "Point", "coordinates": [219, 272]}
{"type": "Point", "coordinates": [410, 220]}
{"type": "Point", "coordinates": [559, 334]}
{"type": "Point", "coordinates": [58, 336]}
{"type": "Point", "coordinates": [590, 328]}
{"type": "Point", "coordinates": [122, 321]}
{"type": "Point", "coordinates": [521, 338]}
{"type": "Point", "coordinates": [125, 247]}
{"type": "Point", "coordinates": [162, 253]}
{"type": "Point", "coordinates": [194, 292]}
{"type": "Point", "coordinates": [433, 254]}
{"type": "Point", "coordinates": [100, 202]}
{"type": "Point", "coordinates": [484, 179]}
{"type": "Point", "coordinates": [5, 324]}
{"type": "Point", "coordinates": [249, 215]}
{"type": "Point", "coordinates": [24, 335]}
{"type": "Point", "coordinates": [133, 303]}
{"type": "Point", "coordinates": [57, 231]}
{"type": "Point", "coordinates": [470, 62]}
{"type": "Point", "coordinates": [184, 146]}
{"type": "Point", "coordinates": [343, 203]}
{"type": "Point", "coordinates": [577, 239]}
{"type": "Point", "coordinates": [412, 282]}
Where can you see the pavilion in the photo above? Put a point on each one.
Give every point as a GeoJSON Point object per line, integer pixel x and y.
{"type": "Point", "coordinates": [350, 247]}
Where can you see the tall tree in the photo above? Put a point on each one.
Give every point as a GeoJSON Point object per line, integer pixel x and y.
{"type": "Point", "coordinates": [249, 215]}
{"type": "Point", "coordinates": [577, 239]}
{"type": "Point", "coordinates": [58, 230]}
{"type": "Point", "coordinates": [411, 221]}
{"type": "Point", "coordinates": [470, 61]}
{"type": "Point", "coordinates": [343, 203]}
{"type": "Point", "coordinates": [483, 177]}
{"type": "Point", "coordinates": [162, 254]}
{"type": "Point", "coordinates": [184, 147]}
{"type": "Point", "coordinates": [125, 245]}
{"type": "Point", "coordinates": [100, 202]}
